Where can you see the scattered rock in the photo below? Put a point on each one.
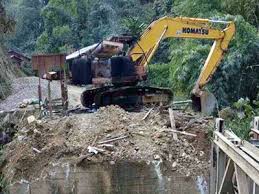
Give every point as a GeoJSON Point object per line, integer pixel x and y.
{"type": "Point", "coordinates": [112, 162]}
{"type": "Point", "coordinates": [31, 119]}
{"type": "Point", "coordinates": [4, 138]}
{"type": "Point", "coordinates": [21, 138]}
{"type": "Point", "coordinates": [157, 157]}
{"type": "Point", "coordinates": [201, 153]}
{"type": "Point", "coordinates": [174, 164]}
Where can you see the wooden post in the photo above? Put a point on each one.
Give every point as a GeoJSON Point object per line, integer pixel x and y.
{"type": "Point", "coordinates": [221, 164]}
{"type": "Point", "coordinates": [256, 123]}
{"type": "Point", "coordinates": [255, 129]}
{"type": "Point", "coordinates": [221, 157]}
{"type": "Point", "coordinates": [242, 181]}
{"type": "Point", "coordinates": [255, 189]}
{"type": "Point", "coordinates": [220, 125]}
{"type": "Point", "coordinates": [39, 89]}
{"type": "Point", "coordinates": [172, 121]}
{"type": "Point", "coordinates": [49, 99]}
{"type": "Point", "coordinates": [226, 185]}
{"type": "Point", "coordinates": [63, 86]}
{"type": "Point", "coordinates": [213, 170]}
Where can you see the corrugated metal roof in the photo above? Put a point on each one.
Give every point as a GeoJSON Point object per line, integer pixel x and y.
{"type": "Point", "coordinates": [84, 50]}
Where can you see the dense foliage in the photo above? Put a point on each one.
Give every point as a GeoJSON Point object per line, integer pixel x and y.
{"type": "Point", "coordinates": [239, 117]}
{"type": "Point", "coordinates": [63, 26]}
{"type": "Point", "coordinates": [7, 70]}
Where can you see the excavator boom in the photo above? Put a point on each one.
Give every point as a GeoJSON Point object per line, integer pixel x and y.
{"type": "Point", "coordinates": [183, 27]}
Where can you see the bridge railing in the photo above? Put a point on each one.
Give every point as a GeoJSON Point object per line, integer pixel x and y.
{"type": "Point", "coordinates": [234, 162]}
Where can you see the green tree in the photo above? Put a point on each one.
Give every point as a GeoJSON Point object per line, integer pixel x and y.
{"type": "Point", "coordinates": [29, 25]}
{"type": "Point", "coordinates": [249, 9]}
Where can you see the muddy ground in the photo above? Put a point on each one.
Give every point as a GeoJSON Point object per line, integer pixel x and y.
{"type": "Point", "coordinates": [87, 138]}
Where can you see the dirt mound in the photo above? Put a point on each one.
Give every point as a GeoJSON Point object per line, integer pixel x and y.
{"type": "Point", "coordinates": [27, 88]}
{"type": "Point", "coordinates": [110, 134]}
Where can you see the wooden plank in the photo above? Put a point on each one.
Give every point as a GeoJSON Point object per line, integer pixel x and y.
{"type": "Point", "coordinates": [181, 132]}
{"type": "Point", "coordinates": [172, 121]}
{"type": "Point", "coordinates": [255, 131]}
{"type": "Point", "coordinates": [146, 115]}
{"type": "Point", "coordinates": [182, 102]}
{"type": "Point", "coordinates": [251, 147]}
{"type": "Point", "coordinates": [226, 184]}
{"type": "Point", "coordinates": [247, 147]}
{"type": "Point", "coordinates": [242, 181]}
{"type": "Point", "coordinates": [232, 137]}
{"type": "Point", "coordinates": [255, 189]}
{"type": "Point", "coordinates": [246, 163]}
{"type": "Point", "coordinates": [221, 163]}
{"type": "Point", "coordinates": [49, 99]}
{"type": "Point", "coordinates": [213, 170]}
{"type": "Point", "coordinates": [114, 139]}
{"type": "Point", "coordinates": [250, 153]}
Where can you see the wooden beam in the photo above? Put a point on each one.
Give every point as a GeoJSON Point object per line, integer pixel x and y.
{"type": "Point", "coordinates": [255, 131]}
{"type": "Point", "coordinates": [247, 147]}
{"type": "Point", "coordinates": [180, 132]}
{"type": "Point", "coordinates": [251, 153]}
{"type": "Point", "coordinates": [146, 115]}
{"type": "Point", "coordinates": [111, 140]}
{"type": "Point", "coordinates": [226, 184]}
{"type": "Point", "coordinates": [213, 170]}
{"type": "Point", "coordinates": [232, 137]}
{"type": "Point", "coordinates": [221, 164]}
{"type": "Point", "coordinates": [255, 188]}
{"type": "Point", "coordinates": [172, 121]}
{"type": "Point", "coordinates": [242, 181]}
{"type": "Point", "coordinates": [245, 162]}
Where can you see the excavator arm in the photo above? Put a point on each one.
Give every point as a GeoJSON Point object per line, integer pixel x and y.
{"type": "Point", "coordinates": [183, 27]}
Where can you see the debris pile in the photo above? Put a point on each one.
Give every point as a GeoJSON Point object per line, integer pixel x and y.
{"type": "Point", "coordinates": [109, 135]}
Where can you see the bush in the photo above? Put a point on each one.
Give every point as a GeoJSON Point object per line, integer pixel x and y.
{"type": "Point", "coordinates": [245, 112]}
{"type": "Point", "coordinates": [158, 75]}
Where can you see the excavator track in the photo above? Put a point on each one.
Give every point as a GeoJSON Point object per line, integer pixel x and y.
{"type": "Point", "coordinates": [126, 96]}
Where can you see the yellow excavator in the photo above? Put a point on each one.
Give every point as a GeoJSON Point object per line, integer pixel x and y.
{"type": "Point", "coordinates": [116, 78]}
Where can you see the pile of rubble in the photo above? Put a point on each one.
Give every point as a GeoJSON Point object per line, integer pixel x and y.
{"type": "Point", "coordinates": [109, 135]}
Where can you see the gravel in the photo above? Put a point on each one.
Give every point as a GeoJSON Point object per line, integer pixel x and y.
{"type": "Point", "coordinates": [27, 88]}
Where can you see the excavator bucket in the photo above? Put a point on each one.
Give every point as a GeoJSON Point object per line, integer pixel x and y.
{"type": "Point", "coordinates": [206, 102]}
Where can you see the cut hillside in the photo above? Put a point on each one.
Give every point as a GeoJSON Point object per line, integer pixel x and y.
{"type": "Point", "coordinates": [8, 72]}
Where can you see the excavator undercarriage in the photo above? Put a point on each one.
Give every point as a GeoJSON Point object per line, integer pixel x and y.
{"type": "Point", "coordinates": [125, 96]}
